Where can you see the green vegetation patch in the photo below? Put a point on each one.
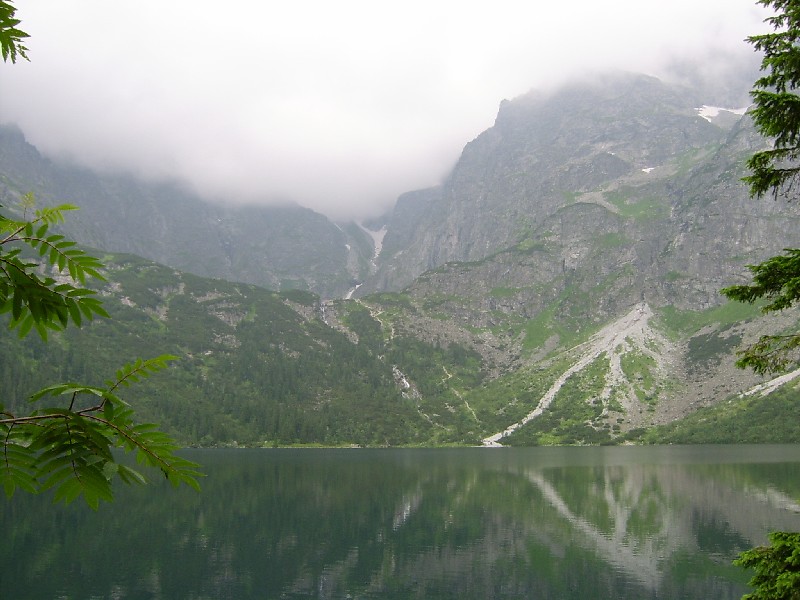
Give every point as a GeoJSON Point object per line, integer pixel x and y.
{"type": "Point", "coordinates": [692, 157]}
{"type": "Point", "coordinates": [570, 315]}
{"type": "Point", "coordinates": [507, 399]}
{"type": "Point", "coordinates": [302, 297]}
{"type": "Point", "coordinates": [678, 323]}
{"type": "Point", "coordinates": [574, 416]}
{"type": "Point", "coordinates": [369, 331]}
{"type": "Point", "coordinates": [639, 369]}
{"type": "Point", "coordinates": [436, 300]}
{"type": "Point", "coordinates": [638, 209]}
{"type": "Point", "coordinates": [707, 348]}
{"type": "Point", "coordinates": [266, 376]}
{"type": "Point", "coordinates": [546, 324]}
{"type": "Point", "coordinates": [439, 375]}
{"type": "Point", "coordinates": [391, 298]}
{"type": "Point", "coordinates": [611, 240]}
{"type": "Point", "coordinates": [529, 246]}
{"type": "Point", "coordinates": [769, 419]}
{"type": "Point", "coordinates": [673, 276]}
{"type": "Point", "coordinates": [539, 329]}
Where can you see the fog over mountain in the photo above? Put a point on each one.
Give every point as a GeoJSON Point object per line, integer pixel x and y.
{"type": "Point", "coordinates": [560, 286]}
{"type": "Point", "coordinates": [339, 107]}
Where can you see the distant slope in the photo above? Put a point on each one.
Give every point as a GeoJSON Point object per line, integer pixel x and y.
{"type": "Point", "coordinates": [280, 247]}
{"type": "Point", "coordinates": [549, 379]}
{"type": "Point", "coordinates": [630, 334]}
{"type": "Point", "coordinates": [255, 367]}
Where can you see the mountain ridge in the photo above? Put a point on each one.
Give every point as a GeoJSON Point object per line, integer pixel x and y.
{"type": "Point", "coordinates": [611, 202]}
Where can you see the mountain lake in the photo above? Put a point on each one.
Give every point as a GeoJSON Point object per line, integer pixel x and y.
{"type": "Point", "coordinates": [548, 522]}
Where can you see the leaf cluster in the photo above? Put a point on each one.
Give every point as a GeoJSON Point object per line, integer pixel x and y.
{"type": "Point", "coordinates": [777, 280]}
{"type": "Point", "coordinates": [777, 116]}
{"type": "Point", "coordinates": [67, 449]}
{"type": "Point", "coordinates": [37, 300]}
{"type": "Point", "coordinates": [777, 106]}
{"type": "Point", "coordinates": [70, 449]}
{"type": "Point", "coordinates": [11, 36]}
{"type": "Point", "coordinates": [777, 568]}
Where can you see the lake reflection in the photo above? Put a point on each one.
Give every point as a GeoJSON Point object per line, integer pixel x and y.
{"type": "Point", "coordinates": [446, 523]}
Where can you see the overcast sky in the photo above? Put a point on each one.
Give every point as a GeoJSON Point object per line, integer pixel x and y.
{"type": "Point", "coordinates": [339, 106]}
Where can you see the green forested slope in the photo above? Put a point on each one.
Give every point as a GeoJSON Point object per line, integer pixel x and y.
{"type": "Point", "coordinates": [255, 366]}
{"type": "Point", "coordinates": [263, 368]}
{"type": "Point", "coordinates": [755, 419]}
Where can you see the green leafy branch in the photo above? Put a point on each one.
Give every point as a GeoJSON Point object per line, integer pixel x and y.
{"type": "Point", "coordinates": [777, 280]}
{"type": "Point", "coordinates": [776, 111]}
{"type": "Point", "coordinates": [38, 301]}
{"type": "Point", "coordinates": [777, 117]}
{"type": "Point", "coordinates": [11, 36]}
{"type": "Point", "coordinates": [70, 449]}
{"type": "Point", "coordinates": [770, 354]}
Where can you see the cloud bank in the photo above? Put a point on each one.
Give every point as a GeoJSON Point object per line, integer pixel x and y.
{"type": "Point", "coordinates": [338, 106]}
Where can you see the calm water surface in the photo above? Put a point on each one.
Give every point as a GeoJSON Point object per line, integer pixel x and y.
{"type": "Point", "coordinates": [562, 523]}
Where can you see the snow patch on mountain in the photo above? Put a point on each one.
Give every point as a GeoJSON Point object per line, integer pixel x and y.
{"type": "Point", "coordinates": [377, 239]}
{"type": "Point", "coordinates": [770, 386]}
{"type": "Point", "coordinates": [709, 113]}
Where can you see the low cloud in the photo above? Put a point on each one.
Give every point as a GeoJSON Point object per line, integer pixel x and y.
{"type": "Point", "coordinates": [337, 106]}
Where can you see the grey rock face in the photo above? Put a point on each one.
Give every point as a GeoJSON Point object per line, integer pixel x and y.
{"type": "Point", "coordinates": [615, 178]}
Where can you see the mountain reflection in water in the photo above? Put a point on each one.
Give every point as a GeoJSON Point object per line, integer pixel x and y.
{"type": "Point", "coordinates": [655, 522]}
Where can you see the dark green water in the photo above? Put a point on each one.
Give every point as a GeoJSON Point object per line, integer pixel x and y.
{"type": "Point", "coordinates": [560, 523]}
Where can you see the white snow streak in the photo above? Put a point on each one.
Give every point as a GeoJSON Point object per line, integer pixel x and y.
{"type": "Point", "coordinates": [709, 113]}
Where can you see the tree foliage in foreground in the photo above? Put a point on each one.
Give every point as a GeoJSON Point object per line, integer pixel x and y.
{"type": "Point", "coordinates": [777, 568]}
{"type": "Point", "coordinates": [776, 111]}
{"type": "Point", "coordinates": [67, 446]}
{"type": "Point", "coordinates": [66, 443]}
{"type": "Point", "coordinates": [776, 115]}
{"type": "Point", "coordinates": [777, 279]}
{"type": "Point", "coordinates": [11, 36]}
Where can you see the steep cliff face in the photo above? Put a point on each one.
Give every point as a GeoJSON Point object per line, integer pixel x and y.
{"type": "Point", "coordinates": [715, 228]}
{"type": "Point", "coordinates": [626, 162]}
{"type": "Point", "coordinates": [404, 226]}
